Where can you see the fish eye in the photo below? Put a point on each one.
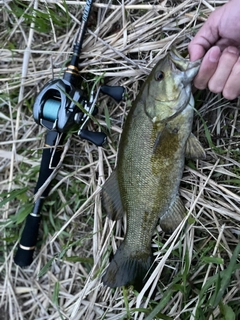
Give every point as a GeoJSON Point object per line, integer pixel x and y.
{"type": "Point", "coordinates": [159, 76]}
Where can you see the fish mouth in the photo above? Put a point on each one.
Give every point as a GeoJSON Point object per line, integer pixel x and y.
{"type": "Point", "coordinates": [188, 68]}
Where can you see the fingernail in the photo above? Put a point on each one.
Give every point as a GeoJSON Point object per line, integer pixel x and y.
{"type": "Point", "coordinates": [232, 50]}
{"type": "Point", "coordinates": [213, 57]}
{"type": "Point", "coordinates": [200, 86]}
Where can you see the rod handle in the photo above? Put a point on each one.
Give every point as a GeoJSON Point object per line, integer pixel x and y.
{"type": "Point", "coordinates": [24, 254]}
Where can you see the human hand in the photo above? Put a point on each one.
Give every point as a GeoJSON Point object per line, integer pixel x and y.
{"type": "Point", "coordinates": [218, 43]}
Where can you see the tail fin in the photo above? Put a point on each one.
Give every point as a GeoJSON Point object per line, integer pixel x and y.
{"type": "Point", "coordinates": [128, 268]}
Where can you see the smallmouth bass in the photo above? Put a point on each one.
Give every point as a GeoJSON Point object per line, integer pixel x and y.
{"type": "Point", "coordinates": [155, 140]}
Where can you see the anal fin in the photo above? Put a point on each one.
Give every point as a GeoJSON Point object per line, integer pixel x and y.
{"type": "Point", "coordinates": [111, 198]}
{"type": "Point", "coordinates": [174, 216]}
{"type": "Point", "coordinates": [194, 150]}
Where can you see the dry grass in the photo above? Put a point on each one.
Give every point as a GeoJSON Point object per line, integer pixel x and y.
{"type": "Point", "coordinates": [196, 274]}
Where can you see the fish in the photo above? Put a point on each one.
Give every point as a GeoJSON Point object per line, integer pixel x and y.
{"type": "Point", "coordinates": [156, 138]}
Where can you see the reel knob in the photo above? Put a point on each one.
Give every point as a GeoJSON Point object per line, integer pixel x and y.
{"type": "Point", "coordinates": [97, 138]}
{"type": "Point", "coordinates": [116, 92]}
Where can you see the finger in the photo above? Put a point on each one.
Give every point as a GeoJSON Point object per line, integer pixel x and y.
{"type": "Point", "coordinates": [226, 62]}
{"type": "Point", "coordinates": [196, 51]}
{"type": "Point", "coordinates": [232, 88]}
{"type": "Point", "coordinates": [207, 68]}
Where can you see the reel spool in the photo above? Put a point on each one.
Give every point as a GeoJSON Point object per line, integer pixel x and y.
{"type": "Point", "coordinates": [55, 106]}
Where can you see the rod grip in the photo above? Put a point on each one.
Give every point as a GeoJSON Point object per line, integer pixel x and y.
{"type": "Point", "coordinates": [24, 255]}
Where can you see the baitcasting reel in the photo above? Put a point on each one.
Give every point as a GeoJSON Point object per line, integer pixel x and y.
{"type": "Point", "coordinates": [60, 106]}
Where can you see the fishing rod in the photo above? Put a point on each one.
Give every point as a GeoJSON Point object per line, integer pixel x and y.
{"type": "Point", "coordinates": [59, 107]}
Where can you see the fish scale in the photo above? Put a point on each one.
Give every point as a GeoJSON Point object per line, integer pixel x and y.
{"type": "Point", "coordinates": [145, 183]}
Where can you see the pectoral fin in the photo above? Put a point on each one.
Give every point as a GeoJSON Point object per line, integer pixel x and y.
{"type": "Point", "coordinates": [161, 140]}
{"type": "Point", "coordinates": [173, 217]}
{"type": "Point", "coordinates": [194, 150]}
{"type": "Point", "coordinates": [111, 198]}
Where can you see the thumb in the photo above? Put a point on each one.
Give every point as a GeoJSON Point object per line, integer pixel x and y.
{"type": "Point", "coordinates": [206, 37]}
{"type": "Point", "coordinates": [196, 51]}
